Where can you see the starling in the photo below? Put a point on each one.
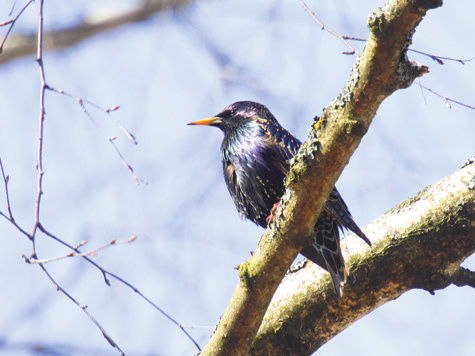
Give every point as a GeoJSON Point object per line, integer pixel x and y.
{"type": "Point", "coordinates": [255, 155]}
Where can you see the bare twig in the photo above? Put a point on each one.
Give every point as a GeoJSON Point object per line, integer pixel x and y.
{"type": "Point", "coordinates": [37, 224]}
{"type": "Point", "coordinates": [446, 99]}
{"type": "Point", "coordinates": [12, 23]}
{"type": "Point", "coordinates": [342, 38]}
{"type": "Point", "coordinates": [84, 309]}
{"type": "Point", "coordinates": [39, 164]}
{"type": "Point", "coordinates": [106, 273]}
{"type": "Point", "coordinates": [438, 59]}
{"type": "Point", "coordinates": [6, 178]}
{"type": "Point", "coordinates": [204, 327]}
{"type": "Point", "coordinates": [13, 8]}
{"type": "Point", "coordinates": [345, 39]}
{"type": "Point", "coordinates": [10, 217]}
{"type": "Point", "coordinates": [82, 101]}
{"type": "Point", "coordinates": [111, 139]}
{"type": "Point", "coordinates": [92, 253]}
{"type": "Point", "coordinates": [465, 278]}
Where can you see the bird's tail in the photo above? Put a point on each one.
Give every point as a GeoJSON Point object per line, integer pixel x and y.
{"type": "Point", "coordinates": [338, 271]}
{"type": "Point", "coordinates": [326, 252]}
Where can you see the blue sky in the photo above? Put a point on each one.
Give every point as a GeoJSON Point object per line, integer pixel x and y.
{"type": "Point", "coordinates": [180, 67]}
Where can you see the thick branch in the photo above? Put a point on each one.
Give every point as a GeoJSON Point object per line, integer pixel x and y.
{"type": "Point", "coordinates": [382, 69]}
{"type": "Point", "coordinates": [23, 44]}
{"type": "Point", "coordinates": [418, 244]}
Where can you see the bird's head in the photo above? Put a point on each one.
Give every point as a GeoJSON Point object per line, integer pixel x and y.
{"type": "Point", "coordinates": [237, 117]}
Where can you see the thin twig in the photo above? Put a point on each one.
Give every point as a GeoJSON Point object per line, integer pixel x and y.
{"type": "Point", "coordinates": [204, 327]}
{"type": "Point", "coordinates": [111, 139]}
{"type": "Point", "coordinates": [37, 224]}
{"type": "Point", "coordinates": [39, 164]}
{"type": "Point", "coordinates": [81, 102]}
{"type": "Point", "coordinates": [84, 309]}
{"type": "Point", "coordinates": [92, 253]}
{"type": "Point", "coordinates": [342, 38]}
{"type": "Point", "coordinates": [6, 178]}
{"type": "Point", "coordinates": [106, 273]}
{"type": "Point", "coordinates": [12, 23]}
{"type": "Point", "coordinates": [10, 217]}
{"type": "Point", "coordinates": [12, 8]}
{"type": "Point", "coordinates": [438, 59]}
{"type": "Point", "coordinates": [447, 100]}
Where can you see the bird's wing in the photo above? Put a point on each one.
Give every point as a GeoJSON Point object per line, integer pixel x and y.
{"type": "Point", "coordinates": [337, 207]}
{"type": "Point", "coordinates": [285, 146]}
{"type": "Point", "coordinates": [280, 145]}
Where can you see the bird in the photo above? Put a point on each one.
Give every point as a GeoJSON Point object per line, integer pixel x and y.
{"type": "Point", "coordinates": [255, 154]}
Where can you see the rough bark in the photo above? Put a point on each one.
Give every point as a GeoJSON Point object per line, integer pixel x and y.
{"type": "Point", "coordinates": [382, 69]}
{"type": "Point", "coordinates": [420, 243]}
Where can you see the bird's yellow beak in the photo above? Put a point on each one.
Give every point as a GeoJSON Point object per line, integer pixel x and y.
{"type": "Point", "coordinates": [207, 122]}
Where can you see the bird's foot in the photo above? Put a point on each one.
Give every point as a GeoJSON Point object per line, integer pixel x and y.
{"type": "Point", "coordinates": [270, 218]}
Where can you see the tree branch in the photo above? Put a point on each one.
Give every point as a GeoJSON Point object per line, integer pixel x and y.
{"type": "Point", "coordinates": [420, 243]}
{"type": "Point", "coordinates": [382, 69]}
{"type": "Point", "coordinates": [465, 278]}
{"type": "Point", "coordinates": [23, 44]}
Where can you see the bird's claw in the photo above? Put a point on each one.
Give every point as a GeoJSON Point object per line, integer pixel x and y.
{"type": "Point", "coordinates": [270, 218]}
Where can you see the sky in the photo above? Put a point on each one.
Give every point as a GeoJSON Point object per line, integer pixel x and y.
{"type": "Point", "coordinates": [181, 66]}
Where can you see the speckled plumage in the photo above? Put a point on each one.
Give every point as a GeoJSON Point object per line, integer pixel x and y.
{"type": "Point", "coordinates": [255, 153]}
